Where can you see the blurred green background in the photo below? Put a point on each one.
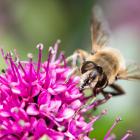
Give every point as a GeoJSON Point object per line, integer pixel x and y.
{"type": "Point", "coordinates": [25, 23]}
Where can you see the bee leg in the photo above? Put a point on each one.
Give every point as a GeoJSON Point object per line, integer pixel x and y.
{"type": "Point", "coordinates": [73, 58]}
{"type": "Point", "coordinates": [95, 91]}
{"type": "Point", "coordinates": [74, 70]}
{"type": "Point", "coordinates": [77, 55]}
{"type": "Point", "coordinates": [106, 95]}
{"type": "Point", "coordinates": [117, 90]}
{"type": "Point", "coordinates": [80, 55]}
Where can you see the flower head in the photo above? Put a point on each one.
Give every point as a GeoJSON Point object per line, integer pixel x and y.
{"type": "Point", "coordinates": [37, 103]}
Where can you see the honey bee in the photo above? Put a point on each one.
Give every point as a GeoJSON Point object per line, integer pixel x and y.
{"type": "Point", "coordinates": [104, 65]}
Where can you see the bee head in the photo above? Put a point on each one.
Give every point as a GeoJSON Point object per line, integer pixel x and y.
{"type": "Point", "coordinates": [87, 79]}
{"type": "Point", "coordinates": [90, 73]}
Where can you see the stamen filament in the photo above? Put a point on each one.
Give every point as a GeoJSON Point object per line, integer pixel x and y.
{"type": "Point", "coordinates": [12, 66]}
{"type": "Point", "coordinates": [128, 134]}
{"type": "Point", "coordinates": [47, 68]}
{"type": "Point", "coordinates": [40, 47]}
{"type": "Point", "coordinates": [3, 81]}
{"type": "Point", "coordinates": [20, 65]}
{"type": "Point", "coordinates": [30, 56]}
{"type": "Point", "coordinates": [56, 45]}
{"type": "Point", "coordinates": [113, 126]}
{"type": "Point", "coordinates": [3, 55]}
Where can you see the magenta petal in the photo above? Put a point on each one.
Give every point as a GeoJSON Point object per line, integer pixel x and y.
{"type": "Point", "coordinates": [22, 114]}
{"type": "Point", "coordinates": [55, 135]}
{"type": "Point", "coordinates": [9, 137]}
{"type": "Point", "coordinates": [41, 128]}
{"type": "Point", "coordinates": [44, 108]}
{"type": "Point", "coordinates": [51, 91]}
{"type": "Point", "coordinates": [53, 77]}
{"type": "Point", "coordinates": [68, 134]}
{"type": "Point", "coordinates": [4, 114]}
{"type": "Point", "coordinates": [37, 103]}
{"type": "Point", "coordinates": [32, 109]}
{"type": "Point", "coordinates": [74, 94]}
{"type": "Point", "coordinates": [60, 88]}
{"type": "Point", "coordinates": [76, 104]}
{"type": "Point", "coordinates": [15, 90]}
{"type": "Point", "coordinates": [86, 138]}
{"type": "Point", "coordinates": [35, 91]}
{"type": "Point", "coordinates": [55, 105]}
{"type": "Point", "coordinates": [44, 98]}
{"type": "Point", "coordinates": [19, 113]}
{"type": "Point", "coordinates": [66, 113]}
{"type": "Point", "coordinates": [72, 128]}
{"type": "Point", "coordinates": [60, 70]}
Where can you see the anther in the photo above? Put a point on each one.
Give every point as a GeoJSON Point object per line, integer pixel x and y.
{"type": "Point", "coordinates": [30, 55]}
{"type": "Point", "coordinates": [58, 41]}
{"type": "Point", "coordinates": [40, 46]}
{"type": "Point", "coordinates": [104, 112]}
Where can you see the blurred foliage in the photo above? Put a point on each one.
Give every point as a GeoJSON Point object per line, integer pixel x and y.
{"type": "Point", "coordinates": [30, 22]}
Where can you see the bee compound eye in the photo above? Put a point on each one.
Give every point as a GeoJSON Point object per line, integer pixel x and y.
{"type": "Point", "coordinates": [100, 70]}
{"type": "Point", "coordinates": [104, 82]}
{"type": "Point", "coordinates": [93, 75]}
{"type": "Point", "coordinates": [87, 65]}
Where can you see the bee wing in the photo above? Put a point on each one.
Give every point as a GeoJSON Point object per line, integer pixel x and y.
{"type": "Point", "coordinates": [132, 72]}
{"type": "Point", "coordinates": [99, 30]}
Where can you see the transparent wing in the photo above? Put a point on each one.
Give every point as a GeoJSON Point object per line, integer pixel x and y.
{"type": "Point", "coordinates": [99, 30]}
{"type": "Point", "coordinates": [132, 72]}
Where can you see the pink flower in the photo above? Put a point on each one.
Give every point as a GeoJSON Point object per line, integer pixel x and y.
{"type": "Point", "coordinates": [37, 103]}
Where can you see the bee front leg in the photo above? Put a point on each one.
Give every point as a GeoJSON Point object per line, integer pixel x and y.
{"type": "Point", "coordinates": [78, 55]}
{"type": "Point", "coordinates": [106, 95]}
{"type": "Point", "coordinates": [117, 90]}
{"type": "Point", "coordinates": [73, 58]}
{"type": "Point", "coordinates": [74, 70]}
